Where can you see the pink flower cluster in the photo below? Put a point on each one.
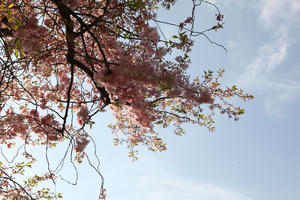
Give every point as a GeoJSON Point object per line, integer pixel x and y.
{"type": "Point", "coordinates": [46, 127]}
{"type": "Point", "coordinates": [30, 35]}
{"type": "Point", "coordinates": [82, 114]}
{"type": "Point", "coordinates": [128, 85]}
{"type": "Point", "coordinates": [12, 125]}
{"type": "Point", "coordinates": [150, 34]}
{"type": "Point", "coordinates": [80, 144]}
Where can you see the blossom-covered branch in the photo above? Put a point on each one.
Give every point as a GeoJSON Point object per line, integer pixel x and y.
{"type": "Point", "coordinates": [71, 59]}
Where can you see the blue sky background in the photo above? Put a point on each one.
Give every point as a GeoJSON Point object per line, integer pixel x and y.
{"type": "Point", "coordinates": [256, 158]}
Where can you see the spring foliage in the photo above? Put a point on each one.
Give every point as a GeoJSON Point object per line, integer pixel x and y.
{"type": "Point", "coordinates": [65, 61]}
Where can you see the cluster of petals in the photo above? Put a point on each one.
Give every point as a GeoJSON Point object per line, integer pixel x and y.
{"type": "Point", "coordinates": [30, 35]}
{"type": "Point", "coordinates": [82, 114]}
{"type": "Point", "coordinates": [80, 144]}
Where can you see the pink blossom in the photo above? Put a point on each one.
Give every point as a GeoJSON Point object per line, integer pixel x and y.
{"type": "Point", "coordinates": [82, 114]}
{"type": "Point", "coordinates": [80, 144]}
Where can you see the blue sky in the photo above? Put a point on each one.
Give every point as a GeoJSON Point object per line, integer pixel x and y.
{"type": "Point", "coordinates": [256, 158]}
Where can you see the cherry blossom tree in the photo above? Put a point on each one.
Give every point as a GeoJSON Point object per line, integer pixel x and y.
{"type": "Point", "coordinates": [65, 61]}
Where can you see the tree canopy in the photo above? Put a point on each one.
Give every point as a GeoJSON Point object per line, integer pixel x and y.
{"type": "Point", "coordinates": [65, 61]}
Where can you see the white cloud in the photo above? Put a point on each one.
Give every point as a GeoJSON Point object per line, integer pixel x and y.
{"type": "Point", "coordinates": [278, 12]}
{"type": "Point", "coordinates": [267, 72]}
{"type": "Point", "coordinates": [279, 95]}
{"type": "Point", "coordinates": [177, 189]}
{"type": "Point", "coordinates": [277, 91]}
{"type": "Point", "coordinates": [269, 57]}
{"type": "Point", "coordinates": [161, 184]}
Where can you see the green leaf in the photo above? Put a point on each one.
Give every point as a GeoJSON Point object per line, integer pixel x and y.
{"type": "Point", "coordinates": [17, 44]}
{"type": "Point", "coordinates": [17, 24]}
{"type": "Point", "coordinates": [16, 53]}
{"type": "Point", "coordinates": [241, 111]}
{"type": "Point", "coordinates": [9, 15]}
{"type": "Point", "coordinates": [234, 88]}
